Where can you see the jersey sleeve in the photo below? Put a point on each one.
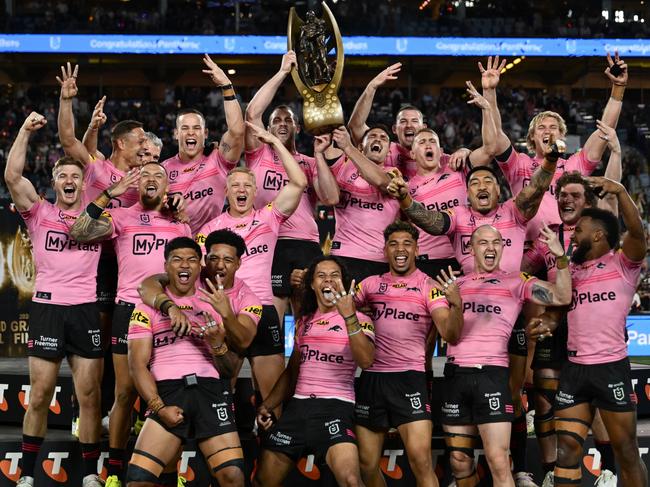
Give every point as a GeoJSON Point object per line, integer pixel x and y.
{"type": "Point", "coordinates": [249, 305]}
{"type": "Point", "coordinates": [510, 165]}
{"type": "Point", "coordinates": [308, 166]}
{"type": "Point", "coordinates": [579, 162]}
{"type": "Point", "coordinates": [32, 216]}
{"type": "Point", "coordinates": [367, 326]}
{"type": "Point", "coordinates": [338, 169]}
{"type": "Point", "coordinates": [453, 217]}
{"type": "Point", "coordinates": [114, 216]}
{"type": "Point", "coordinates": [361, 292]}
{"type": "Point", "coordinates": [275, 217]}
{"type": "Point", "coordinates": [518, 216]}
{"type": "Point", "coordinates": [141, 322]}
{"type": "Point", "coordinates": [629, 269]}
{"type": "Point", "coordinates": [254, 157]}
{"type": "Point", "coordinates": [202, 235]}
{"type": "Point", "coordinates": [434, 297]}
{"type": "Point", "coordinates": [218, 159]}
{"type": "Point", "coordinates": [524, 290]}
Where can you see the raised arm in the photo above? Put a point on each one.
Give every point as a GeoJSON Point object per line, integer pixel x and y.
{"type": "Point", "coordinates": [614, 169]}
{"type": "Point", "coordinates": [634, 242]}
{"type": "Point", "coordinates": [490, 76]}
{"type": "Point", "coordinates": [232, 142]}
{"type": "Point", "coordinates": [22, 190]}
{"type": "Point", "coordinates": [369, 171]}
{"type": "Point", "coordinates": [595, 145]}
{"type": "Point", "coordinates": [264, 97]}
{"type": "Point", "coordinates": [559, 292]}
{"type": "Point", "coordinates": [97, 121]}
{"type": "Point", "coordinates": [93, 224]}
{"type": "Point", "coordinates": [288, 198]}
{"type": "Point", "coordinates": [71, 145]}
{"type": "Point", "coordinates": [530, 197]}
{"type": "Point", "coordinates": [325, 185]}
{"type": "Point", "coordinates": [489, 134]}
{"type": "Point", "coordinates": [357, 122]}
{"type": "Point", "coordinates": [431, 221]}
{"type": "Point", "coordinates": [361, 346]}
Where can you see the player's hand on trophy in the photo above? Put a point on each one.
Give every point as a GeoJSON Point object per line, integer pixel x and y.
{"type": "Point", "coordinates": [289, 61]}
{"type": "Point", "coordinates": [342, 137]}
{"type": "Point", "coordinates": [321, 143]}
{"type": "Point", "coordinates": [68, 81]}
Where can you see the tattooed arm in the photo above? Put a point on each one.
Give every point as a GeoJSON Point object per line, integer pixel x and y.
{"type": "Point", "coordinates": [431, 221]}
{"type": "Point", "coordinates": [89, 229]}
{"type": "Point", "coordinates": [558, 293]}
{"type": "Point", "coordinates": [530, 197]}
{"type": "Point", "coordinates": [227, 364]}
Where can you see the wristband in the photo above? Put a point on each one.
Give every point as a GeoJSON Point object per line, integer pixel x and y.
{"type": "Point", "coordinates": [165, 310]}
{"type": "Point", "coordinates": [107, 194]}
{"type": "Point", "coordinates": [228, 92]}
{"type": "Point", "coordinates": [155, 404]}
{"type": "Point", "coordinates": [358, 330]}
{"type": "Point", "coordinates": [161, 296]}
{"type": "Point", "coordinates": [562, 262]}
{"type": "Point", "coordinates": [220, 350]}
{"type": "Point", "coordinates": [94, 210]}
{"type": "Point", "coordinates": [346, 318]}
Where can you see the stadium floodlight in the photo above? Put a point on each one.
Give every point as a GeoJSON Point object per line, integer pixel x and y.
{"type": "Point", "coordinates": [605, 14]}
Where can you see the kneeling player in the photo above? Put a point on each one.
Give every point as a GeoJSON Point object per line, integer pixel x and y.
{"type": "Point", "coordinates": [184, 380]}
{"type": "Point", "coordinates": [332, 338]}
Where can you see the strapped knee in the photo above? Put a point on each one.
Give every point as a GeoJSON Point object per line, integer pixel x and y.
{"type": "Point", "coordinates": [569, 475]}
{"type": "Point", "coordinates": [572, 427]}
{"type": "Point", "coordinates": [462, 443]}
{"type": "Point", "coordinates": [231, 456]}
{"type": "Point", "coordinates": [544, 425]}
{"type": "Point", "coordinates": [147, 462]}
{"type": "Point", "coordinates": [472, 480]}
{"type": "Point", "coordinates": [547, 388]}
{"type": "Point", "coordinates": [136, 473]}
{"type": "Point", "coordinates": [168, 479]}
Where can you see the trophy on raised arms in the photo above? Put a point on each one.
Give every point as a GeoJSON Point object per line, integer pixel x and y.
{"type": "Point", "coordinates": [316, 78]}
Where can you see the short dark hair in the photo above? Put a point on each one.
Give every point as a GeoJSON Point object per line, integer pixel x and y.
{"type": "Point", "coordinates": [68, 161]}
{"type": "Point", "coordinates": [608, 221]}
{"type": "Point", "coordinates": [120, 129]}
{"type": "Point", "coordinates": [186, 111]}
{"type": "Point", "coordinates": [574, 177]}
{"type": "Point", "coordinates": [401, 226]}
{"type": "Point", "coordinates": [403, 108]}
{"type": "Point", "coordinates": [375, 126]}
{"type": "Point", "coordinates": [226, 237]}
{"type": "Point", "coordinates": [182, 243]}
{"type": "Point", "coordinates": [489, 169]}
{"type": "Point", "coordinates": [294, 115]}
{"type": "Point", "coordinates": [309, 302]}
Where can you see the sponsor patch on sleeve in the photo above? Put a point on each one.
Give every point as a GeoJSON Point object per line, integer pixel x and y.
{"type": "Point", "coordinates": [256, 310]}
{"type": "Point", "coordinates": [436, 294]}
{"type": "Point", "coordinates": [525, 276]}
{"type": "Point", "coordinates": [200, 239]}
{"type": "Point", "coordinates": [107, 215]}
{"type": "Point", "coordinates": [141, 319]}
{"type": "Point", "coordinates": [367, 326]}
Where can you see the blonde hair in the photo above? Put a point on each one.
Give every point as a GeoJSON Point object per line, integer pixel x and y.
{"type": "Point", "coordinates": [530, 140]}
{"type": "Point", "coordinates": [242, 170]}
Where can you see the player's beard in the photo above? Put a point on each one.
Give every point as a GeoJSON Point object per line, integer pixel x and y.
{"type": "Point", "coordinates": [579, 255]}
{"type": "Point", "coordinates": [151, 203]}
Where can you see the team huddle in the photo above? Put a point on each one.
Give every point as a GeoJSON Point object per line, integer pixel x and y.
{"type": "Point", "coordinates": [189, 265]}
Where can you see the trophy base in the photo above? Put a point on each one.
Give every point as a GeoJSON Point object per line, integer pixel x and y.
{"type": "Point", "coordinates": [322, 111]}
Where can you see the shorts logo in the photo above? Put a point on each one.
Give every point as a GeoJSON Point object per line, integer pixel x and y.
{"type": "Point", "coordinates": [333, 429]}
{"type": "Point", "coordinates": [521, 338]}
{"type": "Point", "coordinates": [494, 403]}
{"type": "Point", "coordinates": [275, 334]}
{"type": "Point", "coordinates": [619, 394]}
{"type": "Point", "coordinates": [96, 339]}
{"type": "Point", "coordinates": [222, 414]}
{"type": "Point", "coordinates": [416, 403]}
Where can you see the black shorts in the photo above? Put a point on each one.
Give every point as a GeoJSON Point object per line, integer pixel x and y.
{"type": "Point", "coordinates": [291, 254]}
{"type": "Point", "coordinates": [106, 280]}
{"type": "Point", "coordinates": [312, 426]}
{"type": "Point", "coordinates": [476, 396]}
{"type": "Point", "coordinates": [359, 269]}
{"type": "Point", "coordinates": [57, 330]}
{"type": "Point", "coordinates": [518, 343]}
{"type": "Point", "coordinates": [269, 339]}
{"type": "Point", "coordinates": [120, 327]}
{"type": "Point", "coordinates": [208, 407]}
{"type": "Point", "coordinates": [432, 267]}
{"type": "Point", "coordinates": [389, 399]}
{"type": "Point", "coordinates": [605, 386]}
{"type": "Point", "coordinates": [551, 353]}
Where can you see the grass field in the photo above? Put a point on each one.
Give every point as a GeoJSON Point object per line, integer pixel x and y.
{"type": "Point", "coordinates": [640, 360]}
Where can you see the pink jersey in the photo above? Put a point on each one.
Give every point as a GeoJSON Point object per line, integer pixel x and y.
{"type": "Point", "coordinates": [327, 366]}
{"type": "Point", "coordinates": [271, 177]}
{"type": "Point", "coordinates": [401, 311]}
{"type": "Point", "coordinates": [602, 295]}
{"type": "Point", "coordinates": [66, 270]}
{"type": "Point", "coordinates": [362, 215]}
{"type": "Point", "coordinates": [491, 304]}
{"type": "Point", "coordinates": [98, 176]}
{"type": "Point", "coordinates": [518, 170]}
{"type": "Point", "coordinates": [202, 183]}
{"type": "Point", "coordinates": [539, 257]}
{"type": "Point", "coordinates": [506, 218]}
{"type": "Point", "coordinates": [139, 238]}
{"type": "Point", "coordinates": [260, 232]}
{"type": "Point", "coordinates": [440, 190]}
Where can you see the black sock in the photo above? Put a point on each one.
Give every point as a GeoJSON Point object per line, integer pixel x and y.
{"type": "Point", "coordinates": [607, 461]}
{"type": "Point", "coordinates": [31, 447]}
{"type": "Point", "coordinates": [518, 439]}
{"type": "Point", "coordinates": [90, 456]}
{"type": "Point", "coordinates": [548, 467]}
{"type": "Point", "coordinates": [116, 462]}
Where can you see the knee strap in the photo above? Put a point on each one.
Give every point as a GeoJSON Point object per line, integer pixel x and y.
{"type": "Point", "coordinates": [462, 443]}
{"type": "Point", "coordinates": [544, 424]}
{"type": "Point", "coordinates": [472, 480]}
{"type": "Point", "coordinates": [135, 473]}
{"type": "Point", "coordinates": [168, 479]}
{"type": "Point", "coordinates": [571, 475]}
{"type": "Point", "coordinates": [147, 462]}
{"type": "Point", "coordinates": [237, 462]}
{"type": "Point", "coordinates": [547, 387]}
{"type": "Point", "coordinates": [224, 458]}
{"type": "Point", "coordinates": [572, 427]}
